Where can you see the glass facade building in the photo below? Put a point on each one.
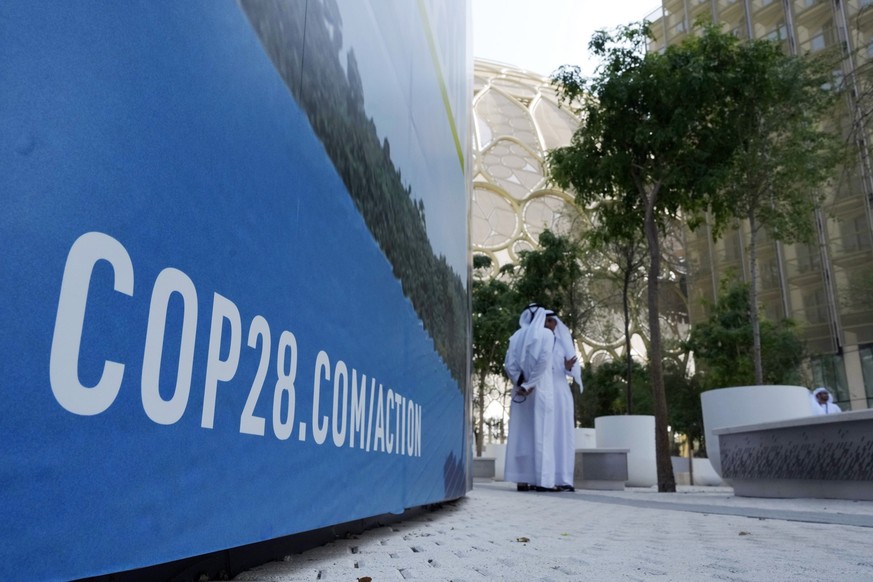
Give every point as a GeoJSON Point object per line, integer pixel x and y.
{"type": "Point", "coordinates": [826, 286]}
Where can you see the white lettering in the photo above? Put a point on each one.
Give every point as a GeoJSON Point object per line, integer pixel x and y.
{"type": "Point", "coordinates": [340, 420]}
{"type": "Point", "coordinates": [358, 409]}
{"type": "Point", "coordinates": [285, 385]}
{"type": "Point", "coordinates": [398, 399]}
{"type": "Point", "coordinates": [162, 411]}
{"type": "Point", "coordinates": [370, 417]}
{"type": "Point", "coordinates": [410, 431]}
{"type": "Point", "coordinates": [350, 411]}
{"type": "Point", "coordinates": [319, 425]}
{"type": "Point", "coordinates": [218, 370]}
{"type": "Point", "coordinates": [379, 436]}
{"type": "Point", "coordinates": [389, 406]}
{"type": "Point", "coordinates": [248, 422]}
{"type": "Point", "coordinates": [88, 249]}
{"type": "Point", "coordinates": [417, 430]}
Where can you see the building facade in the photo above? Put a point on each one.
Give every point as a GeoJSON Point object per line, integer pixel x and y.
{"type": "Point", "coordinates": [825, 286]}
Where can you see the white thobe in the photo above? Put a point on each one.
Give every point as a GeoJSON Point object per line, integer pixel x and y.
{"type": "Point", "coordinates": [519, 464]}
{"type": "Point", "coordinates": [565, 435]}
{"type": "Point", "coordinates": [537, 363]}
{"type": "Point", "coordinates": [565, 438]}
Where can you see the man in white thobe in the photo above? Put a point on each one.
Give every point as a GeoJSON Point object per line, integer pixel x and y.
{"type": "Point", "coordinates": [519, 466]}
{"type": "Point", "coordinates": [821, 402]}
{"type": "Point", "coordinates": [535, 347]}
{"type": "Point", "coordinates": [565, 363]}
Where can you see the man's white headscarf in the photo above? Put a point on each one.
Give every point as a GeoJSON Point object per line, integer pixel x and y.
{"type": "Point", "coordinates": [528, 314]}
{"type": "Point", "coordinates": [512, 362]}
{"type": "Point", "coordinates": [565, 341]}
{"type": "Point", "coordinates": [827, 407]}
{"type": "Point", "coordinates": [531, 342]}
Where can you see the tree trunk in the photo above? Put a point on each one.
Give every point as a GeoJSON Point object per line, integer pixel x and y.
{"type": "Point", "coordinates": [666, 479]}
{"type": "Point", "coordinates": [690, 462]}
{"type": "Point", "coordinates": [753, 300]}
{"type": "Point", "coordinates": [627, 340]}
{"type": "Point", "coordinates": [480, 421]}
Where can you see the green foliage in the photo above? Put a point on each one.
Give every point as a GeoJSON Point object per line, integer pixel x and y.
{"type": "Point", "coordinates": [655, 126]}
{"type": "Point", "coordinates": [495, 317]}
{"type": "Point", "coordinates": [606, 391]}
{"type": "Point", "coordinates": [655, 143]}
{"type": "Point", "coordinates": [552, 275]}
{"type": "Point", "coordinates": [606, 394]}
{"type": "Point", "coordinates": [787, 147]}
{"type": "Point", "coordinates": [683, 396]}
{"type": "Point", "coordinates": [722, 345]}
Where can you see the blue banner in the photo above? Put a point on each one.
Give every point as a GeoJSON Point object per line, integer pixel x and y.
{"type": "Point", "coordinates": [234, 290]}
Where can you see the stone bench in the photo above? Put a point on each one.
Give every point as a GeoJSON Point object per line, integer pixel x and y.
{"type": "Point", "coordinates": [827, 456]}
{"type": "Point", "coordinates": [604, 469]}
{"type": "Point", "coordinates": [483, 467]}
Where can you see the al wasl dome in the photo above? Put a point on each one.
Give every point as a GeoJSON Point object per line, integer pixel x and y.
{"type": "Point", "coordinates": [517, 120]}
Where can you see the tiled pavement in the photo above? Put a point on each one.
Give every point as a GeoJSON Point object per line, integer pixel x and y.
{"type": "Point", "coordinates": [496, 533]}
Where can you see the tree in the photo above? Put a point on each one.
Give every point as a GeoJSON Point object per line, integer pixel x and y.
{"type": "Point", "coordinates": [787, 151]}
{"type": "Point", "coordinates": [654, 141]}
{"type": "Point", "coordinates": [723, 344]}
{"type": "Point", "coordinates": [495, 313]}
{"type": "Point", "coordinates": [552, 275]}
{"type": "Point", "coordinates": [683, 394]}
{"type": "Point", "coordinates": [626, 254]}
{"type": "Point", "coordinates": [606, 390]}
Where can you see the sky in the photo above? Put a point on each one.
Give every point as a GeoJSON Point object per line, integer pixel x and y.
{"type": "Point", "coordinates": [542, 35]}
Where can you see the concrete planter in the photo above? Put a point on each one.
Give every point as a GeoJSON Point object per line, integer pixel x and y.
{"type": "Point", "coordinates": [636, 433]}
{"type": "Point", "coordinates": [585, 438]}
{"type": "Point", "coordinates": [704, 474]}
{"type": "Point", "coordinates": [483, 468]}
{"type": "Point", "coordinates": [496, 451]}
{"type": "Point", "coordinates": [741, 405]}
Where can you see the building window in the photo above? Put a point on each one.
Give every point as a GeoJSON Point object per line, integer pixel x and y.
{"type": "Point", "coordinates": [769, 274]}
{"type": "Point", "coordinates": [866, 355]}
{"type": "Point", "coordinates": [815, 306]}
{"type": "Point", "coordinates": [732, 247]}
{"type": "Point", "coordinates": [777, 34]}
{"type": "Point", "coordinates": [855, 234]}
{"type": "Point", "coordinates": [807, 258]}
{"type": "Point", "coordinates": [817, 43]}
{"type": "Point", "coordinates": [830, 372]}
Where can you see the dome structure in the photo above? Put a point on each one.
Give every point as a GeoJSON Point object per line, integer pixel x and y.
{"type": "Point", "coordinates": [517, 120]}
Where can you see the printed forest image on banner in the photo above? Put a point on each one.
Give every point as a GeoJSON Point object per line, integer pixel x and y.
{"type": "Point", "coordinates": [331, 93]}
{"type": "Point", "coordinates": [235, 273]}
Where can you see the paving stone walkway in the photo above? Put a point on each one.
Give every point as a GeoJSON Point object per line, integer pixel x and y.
{"type": "Point", "coordinates": [496, 533]}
